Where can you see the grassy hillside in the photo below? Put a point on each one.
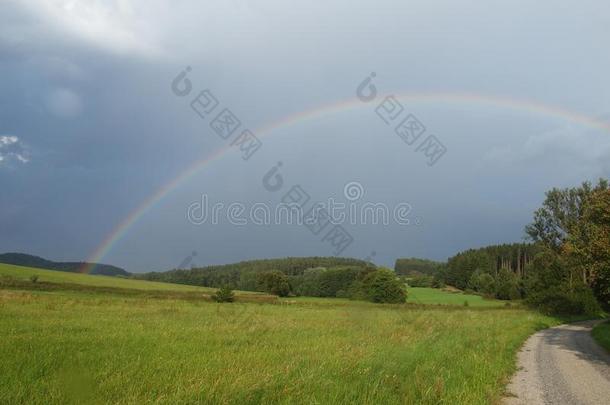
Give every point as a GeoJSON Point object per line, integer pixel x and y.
{"type": "Point", "coordinates": [137, 350]}
{"type": "Point", "coordinates": [59, 277]}
{"type": "Point", "coordinates": [24, 273]}
{"type": "Point", "coordinates": [21, 259]}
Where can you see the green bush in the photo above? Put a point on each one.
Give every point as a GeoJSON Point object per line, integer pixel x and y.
{"type": "Point", "coordinates": [437, 282]}
{"type": "Point", "coordinates": [273, 282]}
{"type": "Point", "coordinates": [326, 282]}
{"type": "Point", "coordinates": [421, 281]}
{"type": "Point", "coordinates": [224, 294]}
{"type": "Point", "coordinates": [382, 286]}
{"type": "Point", "coordinates": [482, 283]}
{"type": "Point", "coordinates": [601, 287]}
{"type": "Point", "coordinates": [507, 285]}
{"type": "Point", "coordinates": [34, 278]}
{"type": "Point", "coordinates": [357, 291]}
{"type": "Point", "coordinates": [342, 294]}
{"type": "Point", "coordinates": [565, 301]}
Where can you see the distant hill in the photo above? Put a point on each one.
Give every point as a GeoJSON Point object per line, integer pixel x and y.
{"type": "Point", "coordinates": [413, 266]}
{"type": "Point", "coordinates": [22, 259]}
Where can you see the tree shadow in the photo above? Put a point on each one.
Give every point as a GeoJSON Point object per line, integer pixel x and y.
{"type": "Point", "coordinates": [576, 338]}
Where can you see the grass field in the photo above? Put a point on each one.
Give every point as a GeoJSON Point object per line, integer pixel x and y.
{"type": "Point", "coordinates": [428, 296]}
{"type": "Point", "coordinates": [601, 333]}
{"type": "Point", "coordinates": [416, 296]}
{"type": "Point", "coordinates": [72, 347]}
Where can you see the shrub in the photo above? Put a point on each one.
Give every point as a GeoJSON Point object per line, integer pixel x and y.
{"type": "Point", "coordinates": [566, 301]}
{"type": "Point", "coordinates": [507, 286]}
{"type": "Point", "coordinates": [273, 282]}
{"type": "Point", "coordinates": [601, 287]}
{"type": "Point", "coordinates": [437, 282]}
{"type": "Point", "coordinates": [421, 281]}
{"type": "Point", "coordinates": [325, 282]}
{"type": "Point", "coordinates": [34, 278]}
{"type": "Point", "coordinates": [224, 294]}
{"type": "Point", "coordinates": [357, 291]}
{"type": "Point", "coordinates": [383, 286]}
{"type": "Point", "coordinates": [342, 294]}
{"type": "Point", "coordinates": [483, 283]}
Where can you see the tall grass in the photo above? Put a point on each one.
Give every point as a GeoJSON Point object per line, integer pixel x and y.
{"type": "Point", "coordinates": [69, 347]}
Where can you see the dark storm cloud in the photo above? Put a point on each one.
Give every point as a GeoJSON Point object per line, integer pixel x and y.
{"type": "Point", "coordinates": [86, 88]}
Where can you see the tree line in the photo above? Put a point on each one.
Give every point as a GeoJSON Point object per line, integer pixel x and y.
{"type": "Point", "coordinates": [463, 269]}
{"type": "Point", "coordinates": [307, 276]}
{"type": "Point", "coordinates": [565, 268]}
{"type": "Point", "coordinates": [243, 275]}
{"type": "Point", "coordinates": [413, 266]}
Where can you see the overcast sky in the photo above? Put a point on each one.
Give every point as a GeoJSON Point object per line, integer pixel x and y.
{"type": "Point", "coordinates": [90, 128]}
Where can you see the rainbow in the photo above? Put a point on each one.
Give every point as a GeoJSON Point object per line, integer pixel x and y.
{"type": "Point", "coordinates": [523, 105]}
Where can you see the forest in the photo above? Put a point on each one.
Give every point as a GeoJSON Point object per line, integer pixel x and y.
{"type": "Point", "coordinates": [414, 266]}
{"type": "Point", "coordinates": [566, 267]}
{"type": "Point", "coordinates": [310, 276]}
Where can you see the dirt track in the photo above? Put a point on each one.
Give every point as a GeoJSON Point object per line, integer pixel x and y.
{"type": "Point", "coordinates": [562, 365]}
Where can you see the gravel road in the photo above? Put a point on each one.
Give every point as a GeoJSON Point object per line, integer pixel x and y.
{"type": "Point", "coordinates": [561, 365]}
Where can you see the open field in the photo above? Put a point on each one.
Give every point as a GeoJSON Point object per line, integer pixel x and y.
{"type": "Point", "coordinates": [70, 346]}
{"type": "Point", "coordinates": [436, 296]}
{"type": "Point", "coordinates": [416, 296]}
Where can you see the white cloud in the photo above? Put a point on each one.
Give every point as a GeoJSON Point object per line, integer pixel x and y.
{"type": "Point", "coordinates": [146, 28]}
{"type": "Point", "coordinates": [12, 149]}
{"type": "Point", "coordinates": [114, 25]}
{"type": "Point", "coordinates": [8, 140]}
{"type": "Point", "coordinates": [64, 103]}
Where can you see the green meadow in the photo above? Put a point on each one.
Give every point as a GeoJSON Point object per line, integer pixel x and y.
{"type": "Point", "coordinates": [435, 296]}
{"type": "Point", "coordinates": [86, 346]}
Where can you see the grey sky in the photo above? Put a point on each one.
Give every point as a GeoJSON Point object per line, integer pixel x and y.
{"type": "Point", "coordinates": [89, 128]}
